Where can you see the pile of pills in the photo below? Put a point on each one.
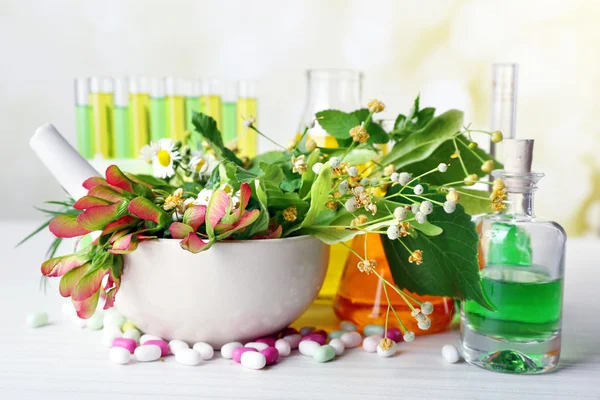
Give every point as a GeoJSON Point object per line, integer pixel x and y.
{"type": "Point", "coordinates": [127, 343]}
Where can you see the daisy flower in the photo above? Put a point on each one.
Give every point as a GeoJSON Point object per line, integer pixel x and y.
{"type": "Point", "coordinates": [162, 154]}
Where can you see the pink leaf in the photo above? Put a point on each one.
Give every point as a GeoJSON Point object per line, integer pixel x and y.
{"type": "Point", "coordinates": [97, 218]}
{"type": "Point", "coordinates": [116, 177]}
{"type": "Point", "coordinates": [245, 193]}
{"type": "Point", "coordinates": [143, 208]}
{"type": "Point", "coordinates": [193, 243]}
{"type": "Point", "coordinates": [217, 207]}
{"type": "Point", "coordinates": [66, 226]}
{"type": "Point", "coordinates": [194, 216]}
{"type": "Point", "coordinates": [58, 266]}
{"type": "Point", "coordinates": [276, 234]}
{"type": "Point", "coordinates": [107, 193]}
{"type": "Point", "coordinates": [94, 181]}
{"type": "Point", "coordinates": [110, 294]}
{"type": "Point", "coordinates": [89, 202]}
{"type": "Point", "coordinates": [125, 244]}
{"type": "Point", "coordinates": [179, 230]}
{"type": "Point", "coordinates": [122, 223]}
{"type": "Point", "coordinates": [71, 278]}
{"type": "Point", "coordinates": [87, 307]}
{"type": "Point", "coordinates": [88, 284]}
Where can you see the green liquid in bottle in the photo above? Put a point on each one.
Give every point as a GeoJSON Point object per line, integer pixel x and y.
{"type": "Point", "coordinates": [85, 143]}
{"type": "Point", "coordinates": [158, 118]}
{"type": "Point", "coordinates": [191, 104]}
{"type": "Point", "coordinates": [229, 121]}
{"type": "Point", "coordinates": [122, 139]}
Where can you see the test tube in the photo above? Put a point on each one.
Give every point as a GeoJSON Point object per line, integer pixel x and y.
{"type": "Point", "coordinates": [504, 102]}
{"type": "Point", "coordinates": [83, 115]}
{"type": "Point", "coordinates": [210, 99]}
{"type": "Point", "coordinates": [229, 116]}
{"type": "Point", "coordinates": [158, 109]}
{"type": "Point", "coordinates": [139, 113]}
{"type": "Point", "coordinates": [175, 90]}
{"type": "Point", "coordinates": [247, 107]}
{"type": "Point", "coordinates": [122, 139]}
{"type": "Point", "coordinates": [101, 103]}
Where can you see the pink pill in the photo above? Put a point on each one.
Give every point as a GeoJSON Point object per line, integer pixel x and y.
{"type": "Point", "coordinates": [164, 346]}
{"type": "Point", "coordinates": [320, 332]}
{"type": "Point", "coordinates": [315, 338]}
{"type": "Point", "coordinates": [288, 331]}
{"type": "Point", "coordinates": [128, 344]}
{"type": "Point", "coordinates": [293, 340]}
{"type": "Point", "coordinates": [270, 341]}
{"type": "Point", "coordinates": [271, 354]}
{"type": "Point", "coordinates": [237, 353]}
{"type": "Point", "coordinates": [394, 334]}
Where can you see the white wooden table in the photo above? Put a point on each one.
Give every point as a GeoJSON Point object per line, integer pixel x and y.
{"type": "Point", "coordinates": [61, 361]}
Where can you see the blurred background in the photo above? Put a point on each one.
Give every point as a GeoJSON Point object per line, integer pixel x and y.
{"type": "Point", "coordinates": [441, 49]}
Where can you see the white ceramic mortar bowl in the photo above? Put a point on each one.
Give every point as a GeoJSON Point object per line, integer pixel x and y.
{"type": "Point", "coordinates": [235, 291]}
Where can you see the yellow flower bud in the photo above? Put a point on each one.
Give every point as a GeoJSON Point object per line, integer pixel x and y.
{"type": "Point", "coordinates": [311, 145]}
{"type": "Point", "coordinates": [498, 184]}
{"type": "Point", "coordinates": [496, 136]}
{"type": "Point", "coordinates": [376, 106]}
{"type": "Point", "coordinates": [472, 145]}
{"type": "Point", "coordinates": [471, 180]}
{"type": "Point", "coordinates": [389, 170]}
{"type": "Point", "coordinates": [453, 195]}
{"type": "Point", "coordinates": [488, 166]}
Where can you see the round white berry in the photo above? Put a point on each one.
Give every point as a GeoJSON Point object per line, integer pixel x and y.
{"type": "Point", "coordinates": [427, 308]}
{"type": "Point", "coordinates": [352, 171]}
{"type": "Point", "coordinates": [424, 324]}
{"type": "Point", "coordinates": [334, 162]}
{"type": "Point", "coordinates": [418, 189]}
{"type": "Point", "coordinates": [443, 167]}
{"type": "Point", "coordinates": [414, 208]}
{"type": "Point", "coordinates": [317, 168]}
{"type": "Point", "coordinates": [408, 336]}
{"type": "Point", "coordinates": [393, 232]}
{"type": "Point", "coordinates": [343, 187]}
{"type": "Point", "coordinates": [404, 178]}
{"type": "Point", "coordinates": [395, 176]}
{"type": "Point", "coordinates": [364, 181]}
{"type": "Point", "coordinates": [400, 213]}
{"type": "Point", "coordinates": [359, 190]}
{"type": "Point", "coordinates": [420, 217]}
{"type": "Point", "coordinates": [350, 205]}
{"type": "Point", "coordinates": [449, 206]}
{"type": "Point", "coordinates": [426, 207]}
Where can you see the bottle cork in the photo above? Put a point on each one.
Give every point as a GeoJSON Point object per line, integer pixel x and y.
{"type": "Point", "coordinates": [518, 155]}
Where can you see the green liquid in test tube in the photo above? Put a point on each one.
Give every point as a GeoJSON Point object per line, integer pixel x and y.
{"type": "Point", "coordinates": [122, 136]}
{"type": "Point", "coordinates": [83, 114]}
{"type": "Point", "coordinates": [158, 110]}
{"type": "Point", "coordinates": [229, 115]}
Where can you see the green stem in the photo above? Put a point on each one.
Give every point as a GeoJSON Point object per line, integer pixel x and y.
{"type": "Point", "coordinates": [389, 304]}
{"type": "Point", "coordinates": [472, 195]}
{"type": "Point", "coordinates": [460, 158]}
{"type": "Point", "coordinates": [418, 177]}
{"type": "Point", "coordinates": [472, 151]}
{"type": "Point", "coordinates": [266, 137]}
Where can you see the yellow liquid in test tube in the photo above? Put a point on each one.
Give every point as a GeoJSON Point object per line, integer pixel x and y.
{"type": "Point", "coordinates": [247, 139]}
{"type": "Point", "coordinates": [176, 117]}
{"type": "Point", "coordinates": [211, 105]}
{"type": "Point", "coordinates": [139, 121]}
{"type": "Point", "coordinates": [102, 123]}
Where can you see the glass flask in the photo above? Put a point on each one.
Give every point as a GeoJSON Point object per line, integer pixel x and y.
{"type": "Point", "coordinates": [339, 89]}
{"type": "Point", "coordinates": [522, 269]}
{"type": "Point", "coordinates": [361, 299]}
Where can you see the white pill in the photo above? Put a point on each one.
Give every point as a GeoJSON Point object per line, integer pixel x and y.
{"type": "Point", "coordinates": [450, 353]}
{"type": "Point", "coordinates": [227, 349]}
{"type": "Point", "coordinates": [370, 343]}
{"type": "Point", "coordinates": [68, 309]}
{"type": "Point", "coordinates": [145, 338]}
{"type": "Point", "coordinates": [387, 353]}
{"type": "Point", "coordinates": [283, 347]}
{"type": "Point", "coordinates": [293, 340]}
{"type": "Point", "coordinates": [306, 330]}
{"type": "Point", "coordinates": [96, 321]}
{"type": "Point", "coordinates": [338, 345]}
{"type": "Point", "coordinates": [257, 345]}
{"type": "Point", "coordinates": [373, 329]}
{"type": "Point", "coordinates": [111, 332]}
{"type": "Point", "coordinates": [351, 339]}
{"type": "Point", "coordinates": [308, 347]}
{"type": "Point", "coordinates": [347, 326]}
{"type": "Point", "coordinates": [80, 322]}
{"type": "Point", "coordinates": [146, 353]}
{"type": "Point", "coordinates": [132, 334]}
{"type": "Point", "coordinates": [253, 360]}
{"type": "Point", "coordinates": [206, 350]}
{"type": "Point", "coordinates": [119, 355]}
{"type": "Point", "coordinates": [175, 345]}
{"type": "Point", "coordinates": [187, 356]}
{"type": "Point", "coordinates": [36, 319]}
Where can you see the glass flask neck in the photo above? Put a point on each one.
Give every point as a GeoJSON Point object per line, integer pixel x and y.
{"type": "Point", "coordinates": [334, 89]}
{"type": "Point", "coordinates": [519, 188]}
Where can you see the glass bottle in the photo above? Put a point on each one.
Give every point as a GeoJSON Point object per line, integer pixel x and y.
{"type": "Point", "coordinates": [522, 270]}
{"type": "Point", "coordinates": [246, 107]}
{"type": "Point", "coordinates": [361, 299]}
{"type": "Point", "coordinates": [339, 89]}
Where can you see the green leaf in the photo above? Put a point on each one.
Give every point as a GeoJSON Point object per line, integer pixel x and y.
{"type": "Point", "coordinates": [271, 173]}
{"type": "Point", "coordinates": [400, 121]}
{"type": "Point", "coordinates": [102, 259]}
{"type": "Point", "coordinates": [291, 186]}
{"type": "Point", "coordinates": [421, 144]}
{"type": "Point", "coordinates": [206, 126]}
{"type": "Point", "coordinates": [424, 117]}
{"type": "Point", "coordinates": [308, 177]}
{"type": "Point", "coordinates": [338, 124]}
{"type": "Point", "coordinates": [331, 235]}
{"type": "Point", "coordinates": [449, 266]}
{"type": "Point", "coordinates": [270, 157]}
{"type": "Point", "coordinates": [143, 190]}
{"type": "Point", "coordinates": [319, 194]}
{"type": "Point", "coordinates": [357, 156]}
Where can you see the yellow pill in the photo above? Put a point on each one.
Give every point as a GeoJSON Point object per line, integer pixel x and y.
{"type": "Point", "coordinates": [128, 325]}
